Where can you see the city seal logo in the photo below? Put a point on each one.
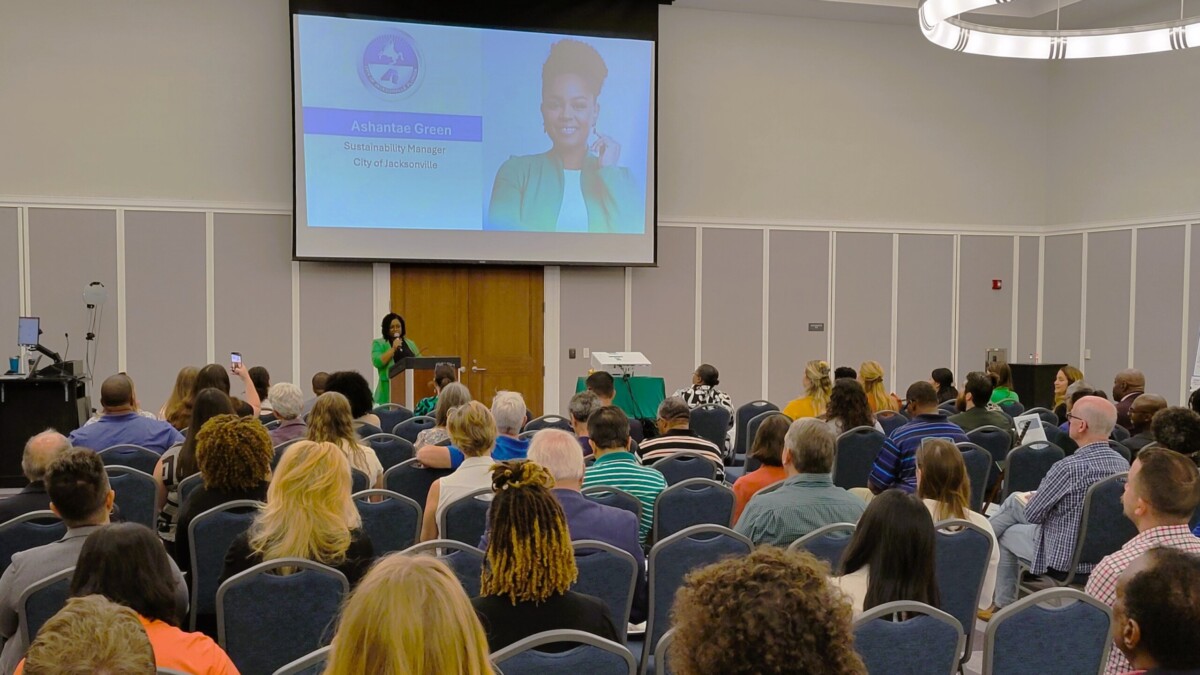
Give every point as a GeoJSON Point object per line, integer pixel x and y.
{"type": "Point", "coordinates": [391, 65]}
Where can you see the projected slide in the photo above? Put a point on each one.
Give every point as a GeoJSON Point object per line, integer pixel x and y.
{"type": "Point", "coordinates": [416, 127]}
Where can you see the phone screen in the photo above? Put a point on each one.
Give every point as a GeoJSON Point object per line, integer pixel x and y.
{"type": "Point", "coordinates": [235, 357]}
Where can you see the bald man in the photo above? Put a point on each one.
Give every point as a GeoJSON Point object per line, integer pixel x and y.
{"type": "Point", "coordinates": [40, 451]}
{"type": "Point", "coordinates": [1040, 528]}
{"type": "Point", "coordinates": [122, 424]}
{"type": "Point", "coordinates": [1128, 385]}
{"type": "Point", "coordinates": [1141, 413]}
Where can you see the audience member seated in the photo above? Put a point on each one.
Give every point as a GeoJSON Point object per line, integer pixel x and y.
{"type": "Point", "coordinates": [845, 372]}
{"type": "Point", "coordinates": [121, 422]}
{"type": "Point", "coordinates": [508, 411]}
{"type": "Point", "coordinates": [1128, 385]}
{"type": "Point", "coordinates": [808, 499]}
{"type": "Point", "coordinates": [768, 450]}
{"type": "Point", "coordinates": [179, 461]}
{"type": "Point", "coordinates": [126, 564]}
{"type": "Point", "coordinates": [704, 390]}
{"type": "Point", "coordinates": [945, 488]}
{"type": "Point", "coordinates": [976, 395]}
{"type": "Point", "coordinates": [1040, 528]}
{"type": "Point", "coordinates": [309, 514]}
{"type": "Point", "coordinates": [214, 375]}
{"type": "Point", "coordinates": [179, 403]}
{"type": "Point", "coordinates": [870, 375]}
{"type": "Point", "coordinates": [377, 634]}
{"type": "Point", "coordinates": [581, 407]}
{"type": "Point", "coordinates": [261, 379]}
{"type": "Point", "coordinates": [1161, 494]}
{"type": "Point", "coordinates": [675, 435]}
{"type": "Point", "coordinates": [1156, 612]}
{"type": "Point", "coordinates": [354, 387]}
{"type": "Point", "coordinates": [817, 389]}
{"type": "Point", "coordinates": [942, 379]}
{"type": "Point", "coordinates": [286, 401]}
{"type": "Point", "coordinates": [443, 374]}
{"type": "Point", "coordinates": [91, 635]}
{"type": "Point", "coordinates": [896, 464]}
{"type": "Point", "coordinates": [1194, 401]}
{"type": "Point", "coordinates": [530, 567]}
{"type": "Point", "coordinates": [891, 554]}
{"type": "Point", "coordinates": [1177, 428]}
{"type": "Point", "coordinates": [1002, 393]}
{"type": "Point", "coordinates": [848, 408]}
{"type": "Point", "coordinates": [40, 451]}
{"type": "Point", "coordinates": [319, 380]}
{"type": "Point", "coordinates": [450, 397]}
{"type": "Point", "coordinates": [234, 454]}
{"type": "Point", "coordinates": [1141, 414]}
{"type": "Point", "coordinates": [616, 466]}
{"type": "Point", "coordinates": [1067, 376]}
{"type": "Point", "coordinates": [741, 615]}
{"type": "Point", "coordinates": [473, 431]}
{"type": "Point", "coordinates": [331, 422]}
{"type": "Point", "coordinates": [602, 384]}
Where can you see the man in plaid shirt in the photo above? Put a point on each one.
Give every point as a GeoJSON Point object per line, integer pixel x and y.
{"type": "Point", "coordinates": [1161, 495]}
{"type": "Point", "coordinates": [1040, 528]}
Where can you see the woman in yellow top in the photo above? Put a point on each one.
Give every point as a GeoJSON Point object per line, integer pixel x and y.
{"type": "Point", "coordinates": [870, 373]}
{"type": "Point", "coordinates": [817, 387]}
{"type": "Point", "coordinates": [389, 348]}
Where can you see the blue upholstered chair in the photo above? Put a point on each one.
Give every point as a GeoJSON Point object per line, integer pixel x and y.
{"type": "Point", "coordinates": [856, 452]}
{"type": "Point", "coordinates": [928, 640]}
{"type": "Point", "coordinates": [464, 560]}
{"type": "Point", "coordinates": [392, 524]}
{"type": "Point", "coordinates": [591, 654]}
{"type": "Point", "coordinates": [695, 501]}
{"type": "Point", "coordinates": [827, 543]}
{"type": "Point", "coordinates": [608, 573]}
{"type": "Point", "coordinates": [1028, 637]}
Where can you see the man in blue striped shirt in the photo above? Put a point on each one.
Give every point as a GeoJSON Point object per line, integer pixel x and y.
{"type": "Point", "coordinates": [616, 466]}
{"type": "Point", "coordinates": [896, 464]}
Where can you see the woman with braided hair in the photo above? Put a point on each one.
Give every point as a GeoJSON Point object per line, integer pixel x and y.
{"type": "Point", "coordinates": [530, 563]}
{"type": "Point", "coordinates": [817, 388]}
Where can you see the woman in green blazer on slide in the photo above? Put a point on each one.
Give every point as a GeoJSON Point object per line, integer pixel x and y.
{"type": "Point", "coordinates": [388, 349]}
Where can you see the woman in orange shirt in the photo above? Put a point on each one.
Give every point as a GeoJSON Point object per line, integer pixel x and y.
{"type": "Point", "coordinates": [768, 449]}
{"type": "Point", "coordinates": [817, 386]}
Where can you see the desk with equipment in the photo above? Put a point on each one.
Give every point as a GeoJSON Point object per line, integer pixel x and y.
{"type": "Point", "coordinates": [637, 393]}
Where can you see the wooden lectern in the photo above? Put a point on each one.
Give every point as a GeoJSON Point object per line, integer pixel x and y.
{"type": "Point", "coordinates": [1034, 383]}
{"type": "Point", "coordinates": [411, 378]}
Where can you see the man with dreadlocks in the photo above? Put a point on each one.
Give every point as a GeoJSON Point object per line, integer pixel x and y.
{"type": "Point", "coordinates": [530, 563]}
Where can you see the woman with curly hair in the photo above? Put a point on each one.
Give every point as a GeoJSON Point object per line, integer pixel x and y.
{"type": "Point", "coordinates": [309, 514]}
{"type": "Point", "coordinates": [848, 408]}
{"type": "Point", "coordinates": [817, 388]}
{"type": "Point", "coordinates": [870, 375]}
{"type": "Point", "coordinates": [376, 633]}
{"type": "Point", "coordinates": [235, 455]}
{"type": "Point", "coordinates": [530, 563]}
{"type": "Point", "coordinates": [330, 422]}
{"type": "Point", "coordinates": [763, 599]}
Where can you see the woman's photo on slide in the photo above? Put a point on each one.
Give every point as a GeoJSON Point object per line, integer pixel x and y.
{"type": "Point", "coordinates": [586, 121]}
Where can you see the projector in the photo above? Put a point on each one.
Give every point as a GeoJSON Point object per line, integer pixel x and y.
{"type": "Point", "coordinates": [621, 364]}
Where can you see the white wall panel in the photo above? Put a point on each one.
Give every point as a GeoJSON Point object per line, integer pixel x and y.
{"type": "Point", "coordinates": [862, 319]}
{"type": "Point", "coordinates": [924, 327]}
{"type": "Point", "coordinates": [984, 314]}
{"type": "Point", "coordinates": [732, 311]}
{"type": "Point", "coordinates": [800, 279]}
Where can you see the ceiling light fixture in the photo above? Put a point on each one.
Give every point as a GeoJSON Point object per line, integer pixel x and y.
{"type": "Point", "coordinates": [941, 26]}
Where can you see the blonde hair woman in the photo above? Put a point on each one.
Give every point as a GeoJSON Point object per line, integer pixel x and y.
{"type": "Point", "coordinates": [473, 431]}
{"type": "Point", "coordinates": [309, 514]}
{"type": "Point", "coordinates": [177, 410]}
{"type": "Point", "coordinates": [870, 373]}
{"type": "Point", "coordinates": [818, 385]}
{"type": "Point", "coordinates": [377, 635]}
{"type": "Point", "coordinates": [331, 422]}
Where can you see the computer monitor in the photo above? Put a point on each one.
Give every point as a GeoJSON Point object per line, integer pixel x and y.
{"type": "Point", "coordinates": [28, 328]}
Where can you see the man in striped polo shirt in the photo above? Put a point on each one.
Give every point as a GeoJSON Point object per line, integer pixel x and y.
{"type": "Point", "coordinates": [896, 464]}
{"type": "Point", "coordinates": [616, 466]}
{"type": "Point", "coordinates": [675, 435]}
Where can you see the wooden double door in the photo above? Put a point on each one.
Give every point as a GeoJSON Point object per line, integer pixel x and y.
{"type": "Point", "coordinates": [491, 317]}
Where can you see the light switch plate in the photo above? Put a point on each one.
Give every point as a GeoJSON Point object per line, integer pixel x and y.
{"type": "Point", "coordinates": [587, 353]}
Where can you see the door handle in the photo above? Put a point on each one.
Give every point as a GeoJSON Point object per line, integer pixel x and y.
{"type": "Point", "coordinates": [476, 369]}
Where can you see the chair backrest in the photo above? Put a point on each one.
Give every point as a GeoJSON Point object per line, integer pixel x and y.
{"type": "Point", "coordinates": [137, 494]}
{"type": "Point", "coordinates": [391, 414]}
{"type": "Point", "coordinates": [711, 422]}
{"type": "Point", "coordinates": [1029, 637]}
{"type": "Point", "coordinates": [683, 465]}
{"type": "Point", "coordinates": [526, 435]}
{"type": "Point", "coordinates": [282, 448]}
{"type": "Point", "coordinates": [1120, 449]}
{"type": "Point", "coordinates": [272, 424]}
{"type": "Point", "coordinates": [695, 501]}
{"type": "Point", "coordinates": [1028, 464]}
{"type": "Point", "coordinates": [1120, 433]}
{"type": "Point", "coordinates": [188, 485]}
{"type": "Point", "coordinates": [741, 421]}
{"type": "Point", "coordinates": [26, 531]}
{"type": "Point", "coordinates": [1012, 408]}
{"type": "Point", "coordinates": [411, 479]}
{"type": "Point", "coordinates": [979, 470]}
{"type": "Point", "coordinates": [312, 663]}
{"type": "Point", "coordinates": [359, 481]}
{"type": "Point", "coordinates": [409, 428]}
{"type": "Point", "coordinates": [591, 654]}
{"type": "Point", "coordinates": [928, 641]}
{"type": "Point", "coordinates": [133, 456]}
{"type": "Point", "coordinates": [390, 449]}
{"type": "Point", "coordinates": [856, 452]}
{"type": "Point", "coordinates": [392, 524]}
{"type": "Point", "coordinates": [1103, 529]}
{"type": "Point", "coordinates": [994, 440]}
{"type": "Point", "coordinates": [752, 426]}
{"type": "Point", "coordinates": [41, 601]}
{"type": "Point", "coordinates": [1047, 416]}
{"type": "Point", "coordinates": [890, 420]}
{"type": "Point", "coordinates": [210, 534]}
{"type": "Point", "coordinates": [266, 621]}
{"type": "Point", "coordinates": [949, 407]}
{"type": "Point", "coordinates": [549, 422]}
{"type": "Point", "coordinates": [611, 496]}
{"type": "Point", "coordinates": [464, 560]}
{"type": "Point", "coordinates": [828, 543]}
{"type": "Point", "coordinates": [963, 551]}
{"type": "Point", "coordinates": [662, 654]}
{"type": "Point", "coordinates": [672, 558]}
{"type": "Point", "coordinates": [465, 518]}
{"type": "Point", "coordinates": [608, 573]}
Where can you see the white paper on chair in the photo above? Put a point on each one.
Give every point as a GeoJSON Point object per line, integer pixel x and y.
{"type": "Point", "coordinates": [1029, 429]}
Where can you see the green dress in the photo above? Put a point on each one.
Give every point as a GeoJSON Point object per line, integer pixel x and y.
{"type": "Point", "coordinates": [383, 391]}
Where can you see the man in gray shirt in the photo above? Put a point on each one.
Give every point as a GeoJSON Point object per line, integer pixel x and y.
{"type": "Point", "coordinates": [807, 499]}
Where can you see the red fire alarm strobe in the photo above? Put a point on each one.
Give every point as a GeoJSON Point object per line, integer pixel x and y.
{"type": "Point", "coordinates": [996, 284]}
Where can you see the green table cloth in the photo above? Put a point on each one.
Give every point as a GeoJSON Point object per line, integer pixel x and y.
{"type": "Point", "coordinates": [637, 396]}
